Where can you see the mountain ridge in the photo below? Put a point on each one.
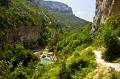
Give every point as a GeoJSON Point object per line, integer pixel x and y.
{"type": "Point", "coordinates": [62, 10]}
{"type": "Point", "coordinates": [53, 6]}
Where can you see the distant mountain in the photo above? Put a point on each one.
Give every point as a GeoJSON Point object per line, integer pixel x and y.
{"type": "Point", "coordinates": [62, 10]}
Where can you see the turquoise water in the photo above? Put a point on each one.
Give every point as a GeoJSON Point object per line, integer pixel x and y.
{"type": "Point", "coordinates": [46, 61]}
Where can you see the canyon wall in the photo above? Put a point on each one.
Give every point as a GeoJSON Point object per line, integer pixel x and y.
{"type": "Point", "coordinates": [26, 35]}
{"type": "Point", "coordinates": [105, 8]}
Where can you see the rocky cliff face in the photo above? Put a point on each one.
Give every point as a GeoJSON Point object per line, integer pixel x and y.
{"type": "Point", "coordinates": [105, 8]}
{"type": "Point", "coordinates": [53, 6]}
{"type": "Point", "coordinates": [26, 35]}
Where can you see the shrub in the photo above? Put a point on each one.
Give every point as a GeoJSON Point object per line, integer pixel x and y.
{"type": "Point", "coordinates": [107, 36]}
{"type": "Point", "coordinates": [64, 72]}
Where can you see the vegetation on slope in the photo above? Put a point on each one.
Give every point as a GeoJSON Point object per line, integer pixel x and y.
{"type": "Point", "coordinates": [17, 62]}
{"type": "Point", "coordinates": [74, 50]}
{"type": "Point", "coordinates": [20, 14]}
{"type": "Point", "coordinates": [107, 37]}
{"type": "Point", "coordinates": [75, 62]}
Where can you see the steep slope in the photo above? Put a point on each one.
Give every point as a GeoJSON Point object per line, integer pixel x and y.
{"type": "Point", "coordinates": [106, 27]}
{"type": "Point", "coordinates": [62, 10]}
{"type": "Point", "coordinates": [53, 6]}
{"type": "Point", "coordinates": [105, 8]}
{"type": "Point", "coordinates": [32, 26]}
{"type": "Point", "coordinates": [25, 25]}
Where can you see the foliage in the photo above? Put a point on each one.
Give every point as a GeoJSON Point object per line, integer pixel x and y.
{"type": "Point", "coordinates": [10, 58]}
{"type": "Point", "coordinates": [81, 62]}
{"type": "Point", "coordinates": [63, 35]}
{"type": "Point", "coordinates": [65, 72]}
{"type": "Point", "coordinates": [113, 74]}
{"type": "Point", "coordinates": [23, 14]}
{"type": "Point", "coordinates": [70, 43]}
{"type": "Point", "coordinates": [75, 57]}
{"type": "Point", "coordinates": [107, 36]}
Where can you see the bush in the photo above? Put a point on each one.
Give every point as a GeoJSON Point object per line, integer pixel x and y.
{"type": "Point", "coordinates": [113, 74]}
{"type": "Point", "coordinates": [64, 72]}
{"type": "Point", "coordinates": [107, 36]}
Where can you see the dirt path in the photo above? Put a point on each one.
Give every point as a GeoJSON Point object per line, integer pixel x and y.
{"type": "Point", "coordinates": [98, 55]}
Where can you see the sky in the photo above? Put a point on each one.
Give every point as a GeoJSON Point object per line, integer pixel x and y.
{"type": "Point", "coordinates": [84, 9]}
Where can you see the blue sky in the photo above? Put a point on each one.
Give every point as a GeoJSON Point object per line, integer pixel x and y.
{"type": "Point", "coordinates": [82, 8]}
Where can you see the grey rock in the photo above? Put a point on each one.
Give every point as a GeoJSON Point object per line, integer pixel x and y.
{"type": "Point", "coordinates": [104, 8]}
{"type": "Point", "coordinates": [53, 6]}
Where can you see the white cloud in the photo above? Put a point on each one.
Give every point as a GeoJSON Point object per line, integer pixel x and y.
{"type": "Point", "coordinates": [82, 15]}
{"type": "Point", "coordinates": [79, 13]}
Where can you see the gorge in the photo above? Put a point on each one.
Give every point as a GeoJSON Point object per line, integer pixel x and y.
{"type": "Point", "coordinates": [45, 40]}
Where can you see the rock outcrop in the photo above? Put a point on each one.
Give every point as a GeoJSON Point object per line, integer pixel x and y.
{"type": "Point", "coordinates": [61, 10]}
{"type": "Point", "coordinates": [105, 8]}
{"type": "Point", "coordinates": [53, 6]}
{"type": "Point", "coordinates": [26, 35]}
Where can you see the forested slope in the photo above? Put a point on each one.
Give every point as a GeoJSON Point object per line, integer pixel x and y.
{"type": "Point", "coordinates": [25, 27]}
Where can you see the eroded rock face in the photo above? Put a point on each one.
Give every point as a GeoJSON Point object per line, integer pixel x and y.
{"type": "Point", "coordinates": [53, 6]}
{"type": "Point", "coordinates": [104, 8]}
{"type": "Point", "coordinates": [26, 35]}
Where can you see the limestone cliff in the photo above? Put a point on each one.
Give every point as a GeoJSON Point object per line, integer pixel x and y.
{"type": "Point", "coordinates": [53, 6]}
{"type": "Point", "coordinates": [105, 8]}
{"type": "Point", "coordinates": [26, 35]}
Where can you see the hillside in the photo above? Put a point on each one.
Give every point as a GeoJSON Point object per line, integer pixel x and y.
{"type": "Point", "coordinates": [63, 11]}
{"type": "Point", "coordinates": [53, 6]}
{"type": "Point", "coordinates": [37, 43]}
{"type": "Point", "coordinates": [23, 28]}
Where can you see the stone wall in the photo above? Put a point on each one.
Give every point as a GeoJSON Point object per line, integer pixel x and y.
{"type": "Point", "coordinates": [104, 8]}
